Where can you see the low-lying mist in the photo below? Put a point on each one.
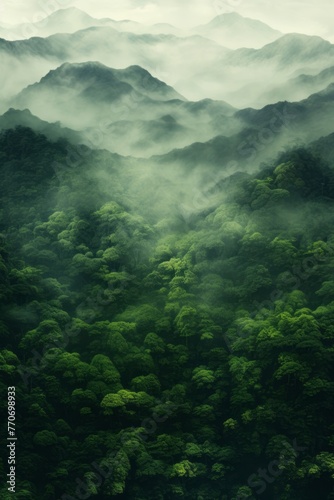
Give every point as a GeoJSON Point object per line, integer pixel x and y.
{"type": "Point", "coordinates": [196, 67]}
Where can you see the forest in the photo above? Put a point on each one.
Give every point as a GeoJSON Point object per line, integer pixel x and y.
{"type": "Point", "coordinates": [164, 354]}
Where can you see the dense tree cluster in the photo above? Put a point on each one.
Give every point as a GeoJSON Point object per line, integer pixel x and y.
{"type": "Point", "coordinates": [166, 359]}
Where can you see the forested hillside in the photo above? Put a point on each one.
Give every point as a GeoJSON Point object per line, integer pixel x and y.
{"type": "Point", "coordinates": [164, 354]}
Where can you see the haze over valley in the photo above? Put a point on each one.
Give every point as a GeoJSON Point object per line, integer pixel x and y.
{"type": "Point", "coordinates": [166, 249]}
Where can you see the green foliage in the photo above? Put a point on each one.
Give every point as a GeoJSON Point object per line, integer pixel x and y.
{"type": "Point", "coordinates": [160, 358]}
{"type": "Point", "coordinates": [45, 438]}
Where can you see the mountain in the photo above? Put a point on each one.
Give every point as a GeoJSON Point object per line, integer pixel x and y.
{"type": "Point", "coordinates": [168, 57]}
{"type": "Point", "coordinates": [184, 125]}
{"type": "Point", "coordinates": [104, 80]}
{"type": "Point", "coordinates": [80, 93]}
{"type": "Point", "coordinates": [324, 148]}
{"type": "Point", "coordinates": [263, 134]}
{"type": "Point", "coordinates": [53, 131]}
{"type": "Point", "coordinates": [302, 86]}
{"type": "Point", "coordinates": [129, 110]}
{"type": "Point", "coordinates": [144, 138]}
{"type": "Point", "coordinates": [72, 19]}
{"type": "Point", "coordinates": [287, 52]}
{"type": "Point", "coordinates": [251, 75]}
{"type": "Point", "coordinates": [314, 83]}
{"type": "Point", "coordinates": [234, 31]}
{"type": "Point", "coordinates": [68, 20]}
{"type": "Point", "coordinates": [242, 77]}
{"type": "Point", "coordinates": [142, 81]}
{"type": "Point", "coordinates": [308, 119]}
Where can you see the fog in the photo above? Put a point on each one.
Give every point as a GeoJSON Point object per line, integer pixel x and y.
{"type": "Point", "coordinates": [285, 15]}
{"type": "Point", "coordinates": [196, 67]}
{"type": "Point", "coordinates": [166, 195]}
{"type": "Point", "coordinates": [194, 121]}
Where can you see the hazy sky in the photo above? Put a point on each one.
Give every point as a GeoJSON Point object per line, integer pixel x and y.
{"type": "Point", "coordinates": [307, 16]}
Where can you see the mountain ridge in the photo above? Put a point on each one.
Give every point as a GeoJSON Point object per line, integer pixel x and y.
{"type": "Point", "coordinates": [234, 31]}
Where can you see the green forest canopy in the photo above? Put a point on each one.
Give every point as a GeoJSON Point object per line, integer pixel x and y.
{"type": "Point", "coordinates": [156, 357]}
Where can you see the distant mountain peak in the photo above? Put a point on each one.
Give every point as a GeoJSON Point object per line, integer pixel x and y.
{"type": "Point", "coordinates": [235, 31]}
{"type": "Point", "coordinates": [13, 111]}
{"type": "Point", "coordinates": [69, 12]}
{"type": "Point", "coordinates": [230, 18]}
{"type": "Point", "coordinates": [296, 46]}
{"type": "Point", "coordinates": [300, 38]}
{"type": "Point", "coordinates": [101, 79]}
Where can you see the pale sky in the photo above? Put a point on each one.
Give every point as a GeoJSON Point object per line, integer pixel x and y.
{"type": "Point", "coordinates": [306, 16]}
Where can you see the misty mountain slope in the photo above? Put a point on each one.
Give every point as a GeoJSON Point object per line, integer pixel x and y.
{"type": "Point", "coordinates": [92, 98]}
{"type": "Point", "coordinates": [53, 131]}
{"type": "Point", "coordinates": [67, 20]}
{"type": "Point", "coordinates": [216, 152]}
{"type": "Point", "coordinates": [242, 77]}
{"type": "Point", "coordinates": [253, 75]}
{"type": "Point", "coordinates": [315, 82]}
{"type": "Point", "coordinates": [72, 19]}
{"type": "Point", "coordinates": [234, 31]}
{"type": "Point", "coordinates": [94, 75]}
{"type": "Point", "coordinates": [107, 42]}
{"type": "Point", "coordinates": [302, 86]}
{"type": "Point", "coordinates": [163, 55]}
{"type": "Point", "coordinates": [181, 126]}
{"type": "Point", "coordinates": [189, 269]}
{"type": "Point", "coordinates": [324, 148]}
{"type": "Point", "coordinates": [82, 96]}
{"type": "Point", "coordinates": [79, 92]}
{"type": "Point", "coordinates": [144, 138]}
{"type": "Point", "coordinates": [142, 81]}
{"type": "Point", "coordinates": [307, 119]}
{"type": "Point", "coordinates": [263, 135]}
{"type": "Point", "coordinates": [286, 52]}
{"type": "Point", "coordinates": [167, 255]}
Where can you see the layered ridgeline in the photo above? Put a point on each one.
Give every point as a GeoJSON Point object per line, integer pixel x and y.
{"type": "Point", "coordinates": [163, 55]}
{"type": "Point", "coordinates": [235, 31]}
{"type": "Point", "coordinates": [162, 354]}
{"type": "Point", "coordinates": [167, 248]}
{"type": "Point", "coordinates": [242, 77]}
{"type": "Point", "coordinates": [127, 111]}
{"type": "Point", "coordinates": [67, 20]}
{"type": "Point", "coordinates": [132, 113]}
{"type": "Point", "coordinates": [229, 30]}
